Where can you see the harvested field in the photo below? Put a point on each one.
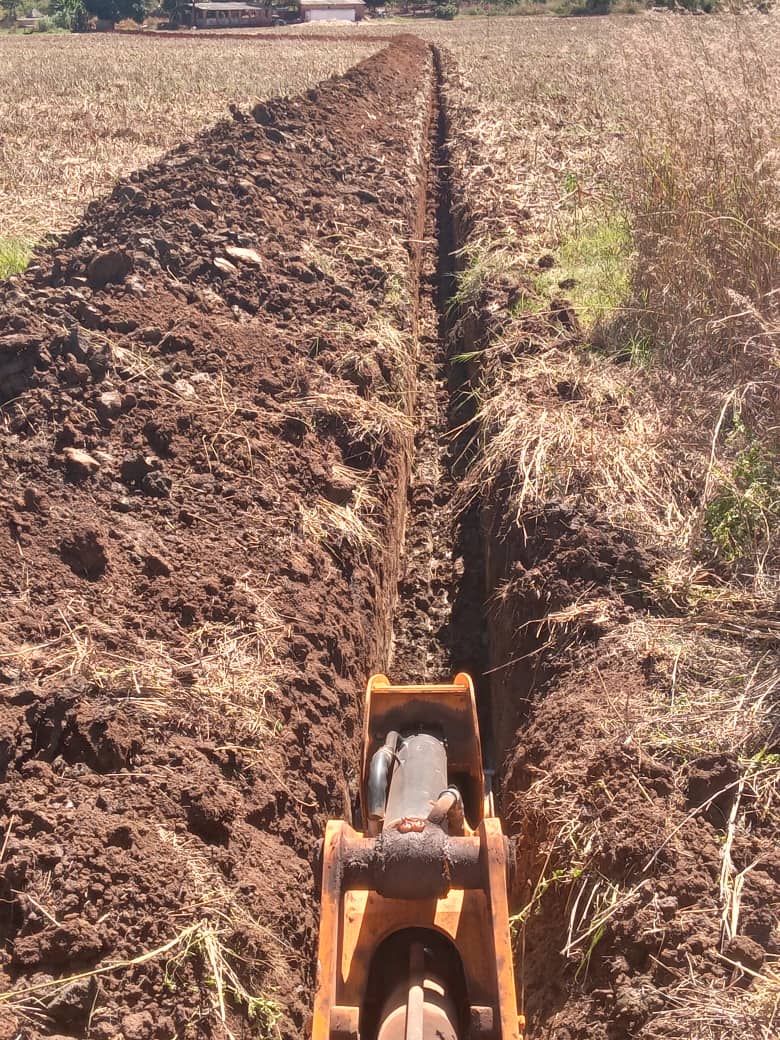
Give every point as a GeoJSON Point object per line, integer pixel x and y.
{"type": "Point", "coordinates": [465, 359]}
{"type": "Point", "coordinates": [70, 125]}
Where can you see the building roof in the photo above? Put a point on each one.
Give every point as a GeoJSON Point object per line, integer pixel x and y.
{"type": "Point", "coordinates": [238, 5]}
{"type": "Point", "coordinates": [341, 4]}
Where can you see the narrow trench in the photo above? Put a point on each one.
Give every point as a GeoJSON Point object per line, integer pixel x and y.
{"type": "Point", "coordinates": [439, 625]}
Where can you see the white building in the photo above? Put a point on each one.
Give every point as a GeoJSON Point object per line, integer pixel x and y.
{"type": "Point", "coordinates": [332, 10]}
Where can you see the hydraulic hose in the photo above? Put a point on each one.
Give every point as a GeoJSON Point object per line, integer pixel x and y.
{"type": "Point", "coordinates": [379, 773]}
{"type": "Point", "coordinates": [448, 806]}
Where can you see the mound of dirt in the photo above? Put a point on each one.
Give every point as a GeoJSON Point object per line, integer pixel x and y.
{"type": "Point", "coordinates": [205, 455]}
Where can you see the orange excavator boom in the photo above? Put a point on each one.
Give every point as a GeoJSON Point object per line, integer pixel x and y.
{"type": "Point", "coordinates": [414, 930]}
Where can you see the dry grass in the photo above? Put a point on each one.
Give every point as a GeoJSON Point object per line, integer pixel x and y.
{"type": "Point", "coordinates": [343, 525]}
{"type": "Point", "coordinates": [78, 112]}
{"type": "Point", "coordinates": [712, 696]}
{"type": "Point", "coordinates": [641, 154]}
{"type": "Point", "coordinates": [687, 153]}
{"type": "Point", "coordinates": [216, 675]}
{"type": "Point", "coordinates": [676, 443]}
{"type": "Point", "coordinates": [722, 1011]}
{"type": "Point", "coordinates": [216, 934]}
{"type": "Point", "coordinates": [601, 439]}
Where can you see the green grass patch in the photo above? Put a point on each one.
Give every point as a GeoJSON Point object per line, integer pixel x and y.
{"type": "Point", "coordinates": [746, 510]}
{"type": "Point", "coordinates": [486, 260]}
{"type": "Point", "coordinates": [15, 255]}
{"type": "Point", "coordinates": [594, 265]}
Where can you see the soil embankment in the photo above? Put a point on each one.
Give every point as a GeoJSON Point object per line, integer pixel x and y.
{"type": "Point", "coordinates": [206, 446]}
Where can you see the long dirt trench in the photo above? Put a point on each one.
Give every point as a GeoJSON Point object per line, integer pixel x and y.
{"type": "Point", "coordinates": [432, 630]}
{"type": "Point", "coordinates": [236, 407]}
{"type": "Point", "coordinates": [218, 393]}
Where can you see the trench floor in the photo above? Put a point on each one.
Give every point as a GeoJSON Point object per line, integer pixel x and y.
{"type": "Point", "coordinates": [438, 624]}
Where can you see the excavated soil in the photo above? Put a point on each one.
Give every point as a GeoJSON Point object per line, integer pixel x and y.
{"type": "Point", "coordinates": [655, 830]}
{"type": "Point", "coordinates": [205, 458]}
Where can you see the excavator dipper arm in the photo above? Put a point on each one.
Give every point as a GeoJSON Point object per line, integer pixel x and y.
{"type": "Point", "coordinates": [414, 929]}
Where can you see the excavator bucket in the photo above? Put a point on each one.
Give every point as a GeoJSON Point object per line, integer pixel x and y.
{"type": "Point", "coordinates": [414, 930]}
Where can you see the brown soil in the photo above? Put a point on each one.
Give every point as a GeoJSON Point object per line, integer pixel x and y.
{"type": "Point", "coordinates": [438, 623]}
{"type": "Point", "coordinates": [187, 426]}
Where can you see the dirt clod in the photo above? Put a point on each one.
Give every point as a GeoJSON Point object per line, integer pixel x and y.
{"type": "Point", "coordinates": [109, 266]}
{"type": "Point", "coordinates": [244, 255]}
{"type": "Point", "coordinates": [79, 464]}
{"type": "Point", "coordinates": [85, 552]}
{"type": "Point", "coordinates": [109, 404]}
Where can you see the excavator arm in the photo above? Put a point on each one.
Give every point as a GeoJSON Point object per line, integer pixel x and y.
{"type": "Point", "coordinates": [414, 929]}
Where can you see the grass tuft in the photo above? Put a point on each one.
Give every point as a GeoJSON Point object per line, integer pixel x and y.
{"type": "Point", "coordinates": [744, 511]}
{"type": "Point", "coordinates": [219, 674]}
{"type": "Point", "coordinates": [15, 255]}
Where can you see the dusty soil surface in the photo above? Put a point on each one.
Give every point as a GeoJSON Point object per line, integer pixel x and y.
{"type": "Point", "coordinates": [205, 455]}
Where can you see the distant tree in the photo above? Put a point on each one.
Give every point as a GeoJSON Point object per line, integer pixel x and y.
{"type": "Point", "coordinates": [75, 14]}
{"type": "Point", "coordinates": [70, 14]}
{"type": "Point", "coordinates": [116, 10]}
{"type": "Point", "coordinates": [175, 9]}
{"type": "Point", "coordinates": [9, 8]}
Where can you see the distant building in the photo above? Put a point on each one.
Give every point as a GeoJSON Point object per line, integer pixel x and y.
{"type": "Point", "coordinates": [31, 20]}
{"type": "Point", "coordinates": [222, 14]}
{"type": "Point", "coordinates": [332, 10]}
